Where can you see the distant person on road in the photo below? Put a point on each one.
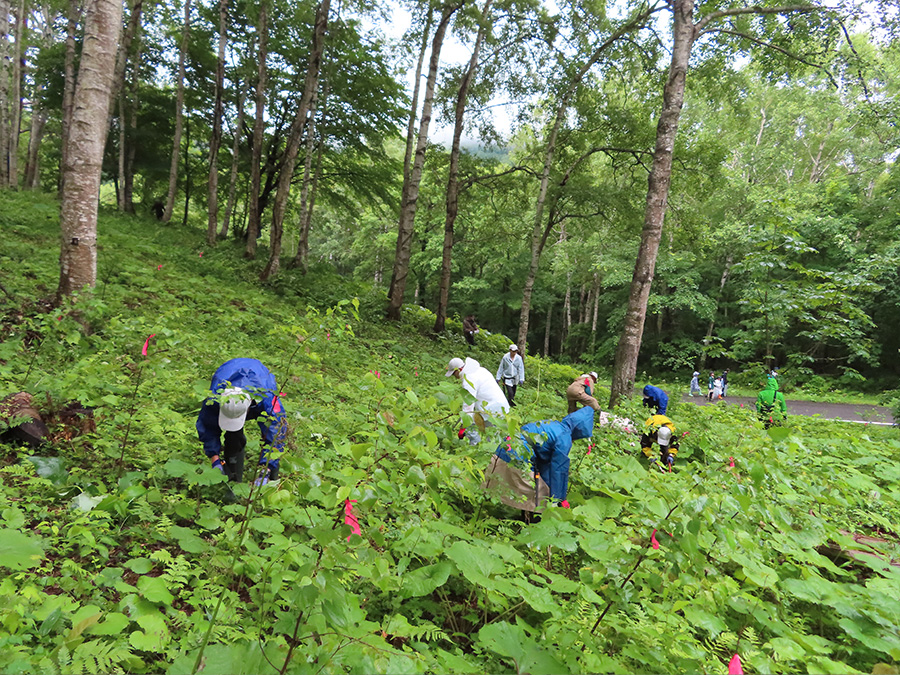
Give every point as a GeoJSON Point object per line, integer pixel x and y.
{"type": "Point", "coordinates": [511, 373]}
{"type": "Point", "coordinates": [581, 391]}
{"type": "Point", "coordinates": [242, 389]}
{"type": "Point", "coordinates": [489, 399]}
{"type": "Point", "coordinates": [717, 389]}
{"type": "Point", "coordinates": [656, 399]}
{"type": "Point", "coordinates": [711, 384]}
{"type": "Point", "coordinates": [770, 404]}
{"type": "Point", "coordinates": [660, 429]}
{"type": "Point", "coordinates": [470, 327]}
{"type": "Point", "coordinates": [535, 466]}
{"type": "Point", "coordinates": [695, 384]}
{"type": "Point", "coordinates": [725, 383]}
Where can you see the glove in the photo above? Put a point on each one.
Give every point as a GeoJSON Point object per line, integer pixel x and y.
{"type": "Point", "coordinates": [217, 463]}
{"type": "Point", "coordinates": [461, 433]}
{"type": "Point", "coordinates": [670, 460]}
{"type": "Point", "coordinates": [262, 480]}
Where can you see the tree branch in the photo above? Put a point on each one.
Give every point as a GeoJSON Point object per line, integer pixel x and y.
{"type": "Point", "coordinates": [737, 11]}
{"type": "Point", "coordinates": [769, 45]}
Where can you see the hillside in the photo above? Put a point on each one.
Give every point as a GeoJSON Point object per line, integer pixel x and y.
{"type": "Point", "coordinates": [122, 552]}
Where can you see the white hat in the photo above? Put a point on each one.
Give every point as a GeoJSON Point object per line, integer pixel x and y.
{"type": "Point", "coordinates": [594, 375]}
{"type": "Point", "coordinates": [514, 348]}
{"type": "Point", "coordinates": [664, 436]}
{"type": "Point", "coordinates": [234, 403]}
{"type": "Point", "coordinates": [455, 364]}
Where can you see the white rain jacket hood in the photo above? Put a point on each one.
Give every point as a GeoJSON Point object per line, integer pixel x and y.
{"type": "Point", "coordinates": [479, 382]}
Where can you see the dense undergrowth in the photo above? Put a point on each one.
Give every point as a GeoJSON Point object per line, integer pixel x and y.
{"type": "Point", "coordinates": [120, 555]}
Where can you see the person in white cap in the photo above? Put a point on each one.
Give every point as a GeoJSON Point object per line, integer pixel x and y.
{"type": "Point", "coordinates": [660, 429]}
{"type": "Point", "coordinates": [511, 372]}
{"type": "Point", "coordinates": [489, 399]}
{"type": "Point", "coordinates": [242, 389]}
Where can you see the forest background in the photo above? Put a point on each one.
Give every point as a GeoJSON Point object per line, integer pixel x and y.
{"type": "Point", "coordinates": [290, 127]}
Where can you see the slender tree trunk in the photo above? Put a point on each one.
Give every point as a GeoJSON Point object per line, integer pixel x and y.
{"type": "Point", "coordinates": [538, 231]}
{"type": "Point", "coordinates": [4, 92]}
{"type": "Point", "coordinates": [253, 225]}
{"type": "Point", "coordinates": [120, 192]}
{"type": "Point", "coordinates": [133, 104]}
{"type": "Point", "coordinates": [32, 163]}
{"type": "Point", "coordinates": [310, 180]}
{"type": "Point", "coordinates": [216, 139]}
{"type": "Point", "coordinates": [179, 115]}
{"type": "Point", "coordinates": [78, 214]}
{"type": "Point", "coordinates": [235, 163]}
{"type": "Point", "coordinates": [406, 225]}
{"type": "Point", "coordinates": [547, 331]}
{"type": "Point", "coordinates": [68, 89]}
{"type": "Point", "coordinates": [712, 321]}
{"type": "Point", "coordinates": [187, 170]}
{"type": "Point", "coordinates": [596, 307]}
{"type": "Point", "coordinates": [453, 179]}
{"type": "Point", "coordinates": [15, 110]}
{"type": "Point", "coordinates": [301, 121]}
{"type": "Point", "coordinates": [657, 197]}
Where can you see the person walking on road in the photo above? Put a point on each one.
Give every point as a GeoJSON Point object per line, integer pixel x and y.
{"type": "Point", "coordinates": [581, 391]}
{"type": "Point", "coordinates": [511, 373]}
{"type": "Point", "coordinates": [725, 383]}
{"type": "Point", "coordinates": [710, 386]}
{"type": "Point", "coordinates": [695, 384]}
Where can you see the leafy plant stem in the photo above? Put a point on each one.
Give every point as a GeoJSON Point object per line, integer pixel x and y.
{"type": "Point", "coordinates": [130, 418]}
{"type": "Point", "coordinates": [34, 356]}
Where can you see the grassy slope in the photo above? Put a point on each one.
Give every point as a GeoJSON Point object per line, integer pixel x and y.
{"type": "Point", "coordinates": [373, 419]}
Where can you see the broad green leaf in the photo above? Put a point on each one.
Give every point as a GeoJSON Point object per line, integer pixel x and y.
{"type": "Point", "coordinates": [19, 551]}
{"type": "Point", "coordinates": [424, 580]}
{"type": "Point", "coordinates": [139, 565]}
{"type": "Point", "coordinates": [112, 624]}
{"type": "Point", "coordinates": [266, 524]}
{"type": "Point", "coordinates": [155, 590]}
{"type": "Point", "coordinates": [476, 563]}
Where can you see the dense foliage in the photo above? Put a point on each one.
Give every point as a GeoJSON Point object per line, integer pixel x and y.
{"type": "Point", "coordinates": [120, 555]}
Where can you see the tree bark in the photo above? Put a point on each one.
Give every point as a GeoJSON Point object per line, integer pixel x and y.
{"type": "Point", "coordinates": [410, 199]}
{"type": "Point", "coordinates": [216, 139]}
{"type": "Point", "coordinates": [453, 179]}
{"type": "Point", "coordinates": [133, 105]}
{"type": "Point", "coordinates": [81, 192]}
{"type": "Point", "coordinates": [310, 182]}
{"type": "Point", "coordinates": [179, 113]}
{"type": "Point", "coordinates": [32, 163]}
{"type": "Point", "coordinates": [547, 331]}
{"type": "Point", "coordinates": [4, 92]}
{"type": "Point", "coordinates": [119, 95]}
{"type": "Point", "coordinates": [253, 225]}
{"type": "Point", "coordinates": [15, 111]}
{"type": "Point", "coordinates": [235, 162]}
{"type": "Point", "coordinates": [712, 321]}
{"type": "Point", "coordinates": [301, 121]}
{"type": "Point", "coordinates": [68, 89]}
{"type": "Point", "coordinates": [657, 197]}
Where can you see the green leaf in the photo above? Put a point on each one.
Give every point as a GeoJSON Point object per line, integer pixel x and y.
{"type": "Point", "coordinates": [113, 624]}
{"type": "Point", "coordinates": [139, 565]}
{"type": "Point", "coordinates": [511, 641]}
{"type": "Point", "coordinates": [155, 590]}
{"type": "Point", "coordinates": [598, 509]}
{"type": "Point", "coordinates": [187, 539]}
{"type": "Point", "coordinates": [51, 468]}
{"type": "Point", "coordinates": [424, 580]}
{"type": "Point", "coordinates": [266, 525]}
{"type": "Point", "coordinates": [476, 563]}
{"type": "Point", "coordinates": [703, 619]}
{"type": "Point", "coordinates": [19, 551]}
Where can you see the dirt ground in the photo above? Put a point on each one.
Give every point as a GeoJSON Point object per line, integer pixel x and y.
{"type": "Point", "coordinates": [849, 412]}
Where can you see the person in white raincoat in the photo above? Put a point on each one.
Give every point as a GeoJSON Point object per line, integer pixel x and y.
{"type": "Point", "coordinates": [489, 398]}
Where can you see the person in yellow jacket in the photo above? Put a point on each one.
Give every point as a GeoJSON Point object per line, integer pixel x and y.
{"type": "Point", "coordinates": [660, 429]}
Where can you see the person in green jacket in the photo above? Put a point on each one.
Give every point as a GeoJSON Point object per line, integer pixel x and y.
{"type": "Point", "coordinates": [770, 404]}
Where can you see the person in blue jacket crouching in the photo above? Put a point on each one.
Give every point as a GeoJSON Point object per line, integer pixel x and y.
{"type": "Point", "coordinates": [535, 466]}
{"type": "Point", "coordinates": [242, 389]}
{"type": "Point", "coordinates": [656, 399]}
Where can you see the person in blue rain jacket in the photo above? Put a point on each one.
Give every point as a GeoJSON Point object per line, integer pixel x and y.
{"type": "Point", "coordinates": [543, 447]}
{"type": "Point", "coordinates": [654, 397]}
{"type": "Point", "coordinates": [242, 389]}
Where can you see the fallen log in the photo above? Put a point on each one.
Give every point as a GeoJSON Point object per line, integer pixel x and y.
{"type": "Point", "coordinates": [875, 548]}
{"type": "Point", "coordinates": [21, 420]}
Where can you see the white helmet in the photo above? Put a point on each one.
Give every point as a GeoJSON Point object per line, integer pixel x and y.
{"type": "Point", "coordinates": [664, 437]}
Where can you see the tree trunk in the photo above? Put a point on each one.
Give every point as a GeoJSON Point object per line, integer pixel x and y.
{"type": "Point", "coordinates": [216, 139]}
{"type": "Point", "coordinates": [453, 179]}
{"type": "Point", "coordinates": [538, 232]}
{"type": "Point", "coordinates": [120, 191]}
{"type": "Point", "coordinates": [547, 331]}
{"type": "Point", "coordinates": [657, 197]}
{"type": "Point", "coordinates": [253, 225]}
{"type": "Point", "coordinates": [32, 163]}
{"type": "Point", "coordinates": [406, 224]}
{"type": "Point", "coordinates": [302, 120]}
{"type": "Point", "coordinates": [310, 182]}
{"type": "Point", "coordinates": [712, 321]}
{"type": "Point", "coordinates": [187, 171]}
{"type": "Point", "coordinates": [596, 306]}
{"type": "Point", "coordinates": [235, 161]}
{"type": "Point", "coordinates": [179, 115]}
{"type": "Point", "coordinates": [4, 92]}
{"type": "Point", "coordinates": [81, 192]}
{"type": "Point", "coordinates": [68, 90]}
{"type": "Point", "coordinates": [15, 112]}
{"type": "Point", "coordinates": [131, 146]}
{"type": "Point", "coordinates": [119, 95]}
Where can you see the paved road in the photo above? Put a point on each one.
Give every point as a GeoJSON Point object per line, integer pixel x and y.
{"type": "Point", "coordinates": [849, 412]}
